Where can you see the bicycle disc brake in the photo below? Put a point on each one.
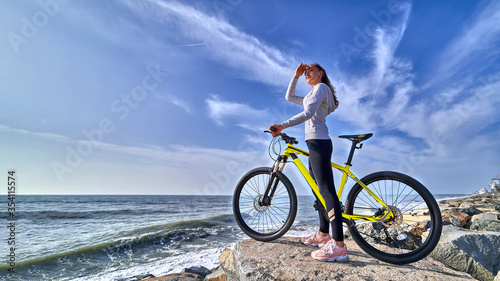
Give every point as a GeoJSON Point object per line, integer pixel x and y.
{"type": "Point", "coordinates": [257, 204]}
{"type": "Point", "coordinates": [396, 221]}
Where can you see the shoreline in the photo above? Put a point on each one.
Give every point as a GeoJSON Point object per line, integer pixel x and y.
{"type": "Point", "coordinates": [460, 197]}
{"type": "Point", "coordinates": [445, 204]}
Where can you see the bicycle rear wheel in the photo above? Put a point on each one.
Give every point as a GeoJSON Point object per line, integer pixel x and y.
{"type": "Point", "coordinates": [264, 222]}
{"type": "Point", "coordinates": [416, 228]}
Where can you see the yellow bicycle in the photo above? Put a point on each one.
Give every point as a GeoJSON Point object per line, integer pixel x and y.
{"type": "Point", "coordinates": [390, 215]}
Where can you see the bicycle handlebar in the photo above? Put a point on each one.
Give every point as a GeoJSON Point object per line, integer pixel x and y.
{"type": "Point", "coordinates": [285, 137]}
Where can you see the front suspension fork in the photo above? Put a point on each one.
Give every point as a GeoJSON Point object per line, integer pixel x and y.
{"type": "Point", "coordinates": [273, 181]}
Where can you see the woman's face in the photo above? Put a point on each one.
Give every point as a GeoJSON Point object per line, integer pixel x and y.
{"type": "Point", "coordinates": [313, 75]}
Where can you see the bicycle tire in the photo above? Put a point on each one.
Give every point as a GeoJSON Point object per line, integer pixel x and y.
{"type": "Point", "coordinates": [412, 235]}
{"type": "Point", "coordinates": [264, 223]}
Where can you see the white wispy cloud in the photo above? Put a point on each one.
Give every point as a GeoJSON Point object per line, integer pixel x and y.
{"type": "Point", "coordinates": [478, 41]}
{"type": "Point", "coordinates": [375, 99]}
{"type": "Point", "coordinates": [243, 115]}
{"type": "Point", "coordinates": [187, 45]}
{"type": "Point", "coordinates": [253, 59]}
{"type": "Point", "coordinates": [459, 110]}
{"type": "Point", "coordinates": [47, 136]}
{"type": "Point", "coordinates": [162, 170]}
{"type": "Point", "coordinates": [175, 101]}
{"type": "Point", "coordinates": [387, 40]}
{"type": "Point", "coordinates": [230, 113]}
{"type": "Point", "coordinates": [173, 155]}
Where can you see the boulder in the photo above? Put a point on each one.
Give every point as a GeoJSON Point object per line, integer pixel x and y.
{"type": "Point", "coordinates": [479, 218]}
{"type": "Point", "coordinates": [200, 270]}
{"type": "Point", "coordinates": [471, 211]}
{"type": "Point", "coordinates": [226, 261]}
{"type": "Point", "coordinates": [475, 253]}
{"type": "Point", "coordinates": [486, 222]}
{"type": "Point", "coordinates": [455, 204]}
{"type": "Point", "coordinates": [451, 219]}
{"type": "Point", "coordinates": [287, 259]}
{"type": "Point", "coordinates": [217, 275]}
{"type": "Point", "coordinates": [184, 276]}
{"type": "Point", "coordinates": [467, 204]}
{"type": "Point", "coordinates": [194, 273]}
{"type": "Point", "coordinates": [462, 218]}
{"type": "Point", "coordinates": [487, 225]}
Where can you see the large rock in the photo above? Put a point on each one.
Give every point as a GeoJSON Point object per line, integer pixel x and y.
{"type": "Point", "coordinates": [217, 275]}
{"type": "Point", "coordinates": [462, 218]}
{"type": "Point", "coordinates": [485, 216]}
{"type": "Point", "coordinates": [200, 270]}
{"type": "Point", "coordinates": [226, 260]}
{"type": "Point", "coordinates": [286, 259]}
{"type": "Point", "coordinates": [471, 211]}
{"type": "Point", "coordinates": [486, 222]}
{"type": "Point", "coordinates": [488, 225]}
{"type": "Point", "coordinates": [451, 219]}
{"type": "Point", "coordinates": [475, 253]}
{"type": "Point", "coordinates": [184, 276]}
{"type": "Point", "coordinates": [195, 273]}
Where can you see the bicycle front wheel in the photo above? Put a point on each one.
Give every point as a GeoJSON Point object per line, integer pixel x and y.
{"type": "Point", "coordinates": [413, 232]}
{"type": "Point", "coordinates": [264, 222]}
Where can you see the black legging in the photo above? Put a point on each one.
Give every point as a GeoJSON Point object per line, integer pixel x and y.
{"type": "Point", "coordinates": [320, 154]}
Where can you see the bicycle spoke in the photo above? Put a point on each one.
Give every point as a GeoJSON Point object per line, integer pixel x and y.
{"type": "Point", "coordinates": [409, 202]}
{"type": "Point", "coordinates": [273, 217]}
{"type": "Point", "coordinates": [364, 201]}
{"type": "Point", "coordinates": [282, 210]}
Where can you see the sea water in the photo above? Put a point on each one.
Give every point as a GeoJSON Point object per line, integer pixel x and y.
{"type": "Point", "coordinates": [118, 237]}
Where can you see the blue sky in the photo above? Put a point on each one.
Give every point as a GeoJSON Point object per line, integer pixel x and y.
{"type": "Point", "coordinates": [166, 97]}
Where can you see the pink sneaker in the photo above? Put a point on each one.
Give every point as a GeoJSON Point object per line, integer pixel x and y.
{"type": "Point", "coordinates": [315, 240]}
{"type": "Point", "coordinates": [331, 252]}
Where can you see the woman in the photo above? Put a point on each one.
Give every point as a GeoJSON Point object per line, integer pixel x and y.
{"type": "Point", "coordinates": [319, 103]}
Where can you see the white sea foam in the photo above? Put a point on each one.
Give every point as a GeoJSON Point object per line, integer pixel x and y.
{"type": "Point", "coordinates": [207, 258]}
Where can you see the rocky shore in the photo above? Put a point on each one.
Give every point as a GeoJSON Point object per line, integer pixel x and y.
{"type": "Point", "coordinates": [469, 249]}
{"type": "Point", "coordinates": [470, 241]}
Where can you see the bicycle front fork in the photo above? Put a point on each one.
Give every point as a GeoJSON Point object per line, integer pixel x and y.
{"type": "Point", "coordinates": [273, 181]}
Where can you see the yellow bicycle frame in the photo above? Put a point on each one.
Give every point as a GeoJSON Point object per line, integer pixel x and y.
{"type": "Point", "coordinates": [292, 152]}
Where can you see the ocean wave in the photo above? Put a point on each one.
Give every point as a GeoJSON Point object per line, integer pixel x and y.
{"type": "Point", "coordinates": [138, 243]}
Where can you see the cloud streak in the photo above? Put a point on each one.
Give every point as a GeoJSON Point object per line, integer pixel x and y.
{"type": "Point", "coordinates": [188, 45]}
{"type": "Point", "coordinates": [478, 41]}
{"type": "Point", "coordinates": [375, 99]}
{"type": "Point", "coordinates": [253, 59]}
{"type": "Point", "coordinates": [386, 42]}
{"type": "Point", "coordinates": [46, 136]}
{"type": "Point", "coordinates": [175, 101]}
{"type": "Point", "coordinates": [175, 159]}
{"type": "Point", "coordinates": [243, 115]}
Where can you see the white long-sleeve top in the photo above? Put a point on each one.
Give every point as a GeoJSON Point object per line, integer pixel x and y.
{"type": "Point", "coordinates": [318, 104]}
